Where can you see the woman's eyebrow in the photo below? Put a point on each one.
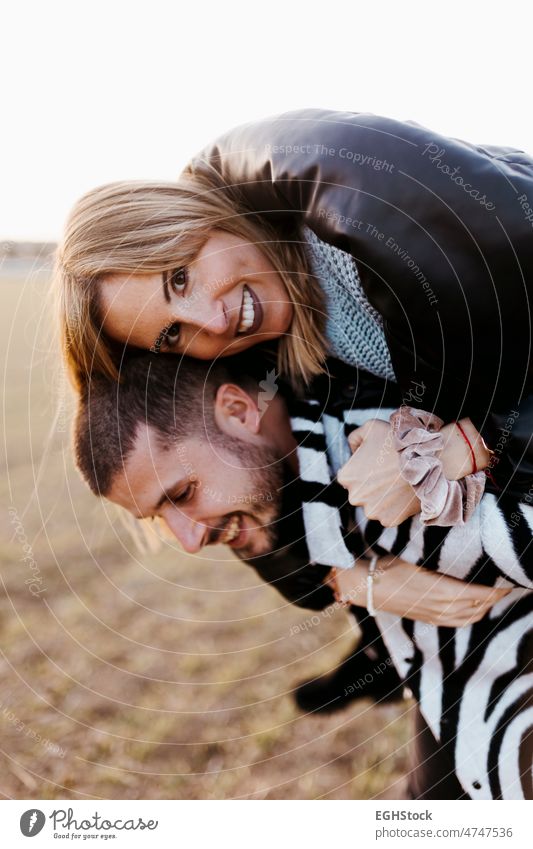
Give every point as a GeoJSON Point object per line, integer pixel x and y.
{"type": "Point", "coordinates": [166, 293]}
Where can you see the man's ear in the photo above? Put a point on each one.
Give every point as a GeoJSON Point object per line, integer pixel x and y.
{"type": "Point", "coordinates": [236, 413]}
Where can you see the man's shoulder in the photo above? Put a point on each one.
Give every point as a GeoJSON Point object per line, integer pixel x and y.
{"type": "Point", "coordinates": [343, 387]}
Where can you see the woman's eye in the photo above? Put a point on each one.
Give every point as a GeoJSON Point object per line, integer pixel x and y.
{"type": "Point", "coordinates": [178, 280]}
{"type": "Point", "coordinates": [172, 335]}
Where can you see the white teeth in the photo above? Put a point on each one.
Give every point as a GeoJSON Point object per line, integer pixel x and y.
{"type": "Point", "coordinates": [232, 531]}
{"type": "Point", "coordinates": [248, 313]}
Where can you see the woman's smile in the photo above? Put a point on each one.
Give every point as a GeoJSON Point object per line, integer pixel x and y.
{"type": "Point", "coordinates": [251, 313]}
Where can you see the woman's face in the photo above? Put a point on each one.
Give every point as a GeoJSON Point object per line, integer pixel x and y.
{"type": "Point", "coordinates": [229, 298]}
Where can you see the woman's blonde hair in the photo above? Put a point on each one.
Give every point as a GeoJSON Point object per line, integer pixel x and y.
{"type": "Point", "coordinates": [146, 227]}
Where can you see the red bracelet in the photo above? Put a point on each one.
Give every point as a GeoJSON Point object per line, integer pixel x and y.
{"type": "Point", "coordinates": [474, 464]}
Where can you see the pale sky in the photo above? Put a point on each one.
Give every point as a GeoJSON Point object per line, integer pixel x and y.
{"type": "Point", "coordinates": [100, 91]}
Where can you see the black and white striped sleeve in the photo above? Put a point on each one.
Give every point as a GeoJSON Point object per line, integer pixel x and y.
{"type": "Point", "coordinates": [506, 529]}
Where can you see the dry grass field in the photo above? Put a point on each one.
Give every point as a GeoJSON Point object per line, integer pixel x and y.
{"type": "Point", "coordinates": [149, 675]}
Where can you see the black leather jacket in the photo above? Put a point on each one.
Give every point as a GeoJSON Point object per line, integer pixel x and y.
{"type": "Point", "coordinates": [442, 233]}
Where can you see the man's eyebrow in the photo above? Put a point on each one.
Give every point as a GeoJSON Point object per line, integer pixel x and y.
{"type": "Point", "coordinates": [167, 495]}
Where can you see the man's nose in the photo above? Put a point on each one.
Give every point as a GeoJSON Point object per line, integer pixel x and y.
{"type": "Point", "coordinates": [209, 315]}
{"type": "Point", "coordinates": [191, 534]}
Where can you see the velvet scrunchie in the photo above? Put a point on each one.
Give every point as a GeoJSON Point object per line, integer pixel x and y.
{"type": "Point", "coordinates": [417, 438]}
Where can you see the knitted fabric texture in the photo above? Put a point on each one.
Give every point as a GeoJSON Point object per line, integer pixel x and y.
{"type": "Point", "coordinates": [354, 328]}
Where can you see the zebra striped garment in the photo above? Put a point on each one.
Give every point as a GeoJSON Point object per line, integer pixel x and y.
{"type": "Point", "coordinates": [474, 685]}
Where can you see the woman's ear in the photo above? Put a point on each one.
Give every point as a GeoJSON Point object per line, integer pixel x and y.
{"type": "Point", "coordinates": [236, 413]}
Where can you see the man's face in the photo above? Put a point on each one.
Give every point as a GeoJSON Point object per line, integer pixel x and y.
{"type": "Point", "coordinates": [206, 494]}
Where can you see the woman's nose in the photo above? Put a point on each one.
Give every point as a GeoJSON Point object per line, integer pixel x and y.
{"type": "Point", "coordinates": [210, 316]}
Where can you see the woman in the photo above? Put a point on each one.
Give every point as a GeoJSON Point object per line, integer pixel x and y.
{"type": "Point", "coordinates": [400, 251]}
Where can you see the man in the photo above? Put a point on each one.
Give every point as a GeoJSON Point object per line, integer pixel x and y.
{"type": "Point", "coordinates": [199, 446]}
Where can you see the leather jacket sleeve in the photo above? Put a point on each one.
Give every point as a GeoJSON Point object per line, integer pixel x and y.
{"type": "Point", "coordinates": [510, 435]}
{"type": "Point", "coordinates": [442, 234]}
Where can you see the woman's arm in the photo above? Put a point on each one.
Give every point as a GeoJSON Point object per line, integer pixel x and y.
{"type": "Point", "coordinates": [462, 449]}
{"type": "Point", "coordinates": [372, 474]}
{"type": "Point", "coordinates": [415, 593]}
{"type": "Point", "coordinates": [508, 433]}
{"type": "Point", "coordinates": [443, 247]}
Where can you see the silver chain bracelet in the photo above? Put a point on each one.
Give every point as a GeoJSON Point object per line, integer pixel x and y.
{"type": "Point", "coordinates": [370, 585]}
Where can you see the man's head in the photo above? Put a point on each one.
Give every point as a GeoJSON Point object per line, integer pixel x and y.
{"type": "Point", "coordinates": [192, 442]}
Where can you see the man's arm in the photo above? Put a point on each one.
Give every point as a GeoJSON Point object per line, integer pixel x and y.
{"type": "Point", "coordinates": [413, 592]}
{"type": "Point", "coordinates": [504, 524]}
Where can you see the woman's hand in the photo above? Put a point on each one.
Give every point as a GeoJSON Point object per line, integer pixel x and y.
{"type": "Point", "coordinates": [372, 476]}
{"type": "Point", "coordinates": [416, 593]}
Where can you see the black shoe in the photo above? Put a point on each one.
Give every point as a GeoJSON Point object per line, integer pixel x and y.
{"type": "Point", "coordinates": [358, 676]}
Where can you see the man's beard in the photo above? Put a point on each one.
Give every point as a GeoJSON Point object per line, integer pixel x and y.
{"type": "Point", "coordinates": [268, 475]}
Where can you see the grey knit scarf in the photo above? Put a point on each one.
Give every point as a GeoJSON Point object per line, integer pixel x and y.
{"type": "Point", "coordinates": [353, 327]}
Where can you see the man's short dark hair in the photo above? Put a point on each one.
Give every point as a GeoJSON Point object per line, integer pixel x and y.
{"type": "Point", "coordinates": [175, 395]}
